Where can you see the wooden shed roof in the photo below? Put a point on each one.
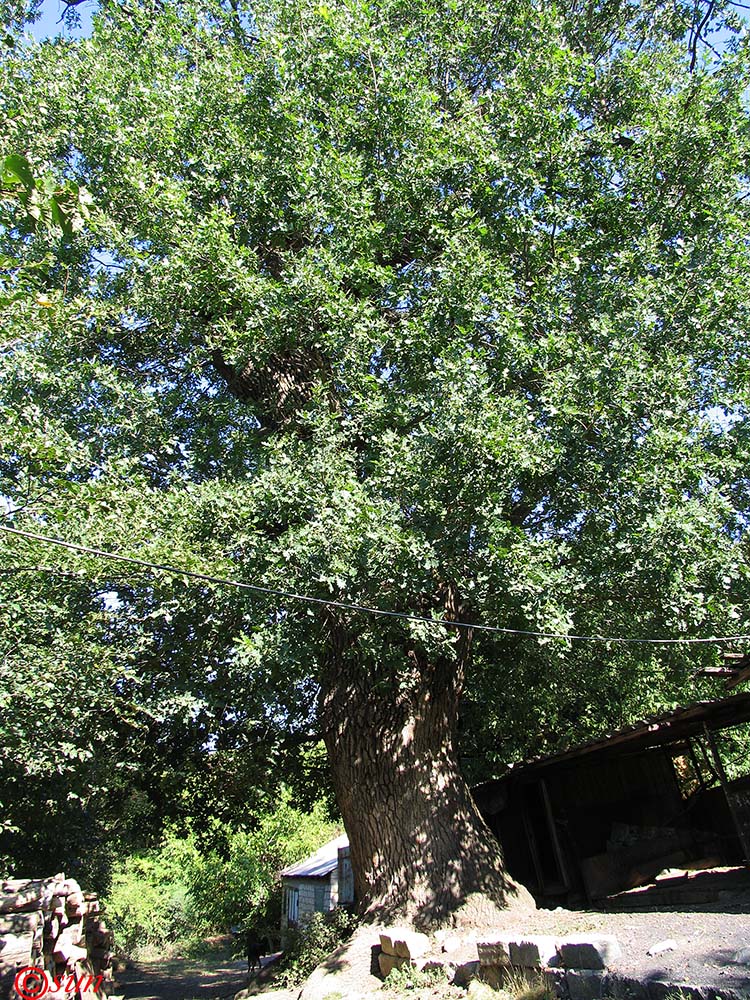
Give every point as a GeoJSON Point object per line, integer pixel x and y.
{"type": "Point", "coordinates": [660, 730]}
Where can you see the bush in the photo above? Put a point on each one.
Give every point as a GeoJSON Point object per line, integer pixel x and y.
{"type": "Point", "coordinates": [309, 944]}
{"type": "Point", "coordinates": [241, 886]}
{"type": "Point", "coordinates": [149, 903]}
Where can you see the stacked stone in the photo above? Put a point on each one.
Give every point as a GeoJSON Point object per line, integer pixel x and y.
{"type": "Point", "coordinates": [50, 924]}
{"type": "Point", "coordinates": [573, 967]}
{"type": "Point", "coordinates": [401, 946]}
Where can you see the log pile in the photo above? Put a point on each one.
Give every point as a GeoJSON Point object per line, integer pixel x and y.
{"type": "Point", "coordinates": [51, 925]}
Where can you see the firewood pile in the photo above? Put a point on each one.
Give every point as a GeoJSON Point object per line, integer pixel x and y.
{"type": "Point", "coordinates": [51, 925]}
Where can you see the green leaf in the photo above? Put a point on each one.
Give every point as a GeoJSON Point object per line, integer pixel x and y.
{"type": "Point", "coordinates": [17, 167]}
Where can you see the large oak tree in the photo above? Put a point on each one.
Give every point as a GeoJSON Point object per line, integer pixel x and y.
{"type": "Point", "coordinates": [435, 307]}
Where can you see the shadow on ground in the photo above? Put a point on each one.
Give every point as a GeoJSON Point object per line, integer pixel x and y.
{"type": "Point", "coordinates": [183, 979]}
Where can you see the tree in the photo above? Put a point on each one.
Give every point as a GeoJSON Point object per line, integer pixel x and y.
{"type": "Point", "coordinates": [436, 308]}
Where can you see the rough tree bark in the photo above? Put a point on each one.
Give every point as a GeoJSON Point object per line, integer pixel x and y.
{"type": "Point", "coordinates": [420, 851]}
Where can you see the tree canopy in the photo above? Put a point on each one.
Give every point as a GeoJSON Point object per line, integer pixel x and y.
{"type": "Point", "coordinates": [434, 307]}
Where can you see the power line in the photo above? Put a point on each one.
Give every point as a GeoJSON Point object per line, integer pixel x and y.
{"type": "Point", "coordinates": [364, 609]}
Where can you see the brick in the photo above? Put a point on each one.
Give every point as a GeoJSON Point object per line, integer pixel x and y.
{"type": "Point", "coordinates": [533, 952]}
{"type": "Point", "coordinates": [584, 984]}
{"type": "Point", "coordinates": [591, 952]}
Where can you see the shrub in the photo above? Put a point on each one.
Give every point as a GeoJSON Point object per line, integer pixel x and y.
{"type": "Point", "coordinates": [149, 902]}
{"type": "Point", "coordinates": [309, 944]}
{"type": "Point", "coordinates": [241, 886]}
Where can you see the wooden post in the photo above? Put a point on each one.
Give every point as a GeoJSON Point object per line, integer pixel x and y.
{"type": "Point", "coordinates": [741, 832]}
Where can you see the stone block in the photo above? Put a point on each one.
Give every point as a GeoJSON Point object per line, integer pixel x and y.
{"type": "Point", "coordinates": [495, 952]}
{"type": "Point", "coordinates": [590, 952]}
{"type": "Point", "coordinates": [556, 982]}
{"type": "Point", "coordinates": [659, 990]}
{"type": "Point", "coordinates": [493, 975]}
{"type": "Point", "coordinates": [584, 984]}
{"type": "Point", "coordinates": [624, 987]}
{"type": "Point", "coordinates": [534, 952]}
{"type": "Point", "coordinates": [465, 973]}
{"type": "Point", "coordinates": [388, 963]}
{"type": "Point", "coordinates": [404, 942]}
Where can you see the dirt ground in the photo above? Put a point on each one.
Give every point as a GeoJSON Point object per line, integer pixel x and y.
{"type": "Point", "coordinates": [704, 942]}
{"type": "Point", "coordinates": [182, 979]}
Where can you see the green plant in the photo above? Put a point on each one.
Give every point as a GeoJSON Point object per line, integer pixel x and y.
{"type": "Point", "coordinates": [408, 978]}
{"type": "Point", "coordinates": [149, 901]}
{"type": "Point", "coordinates": [239, 885]}
{"type": "Point", "coordinates": [312, 942]}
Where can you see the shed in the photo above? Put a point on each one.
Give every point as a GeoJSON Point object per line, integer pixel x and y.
{"type": "Point", "coordinates": [318, 884]}
{"type": "Point", "coordinates": [611, 814]}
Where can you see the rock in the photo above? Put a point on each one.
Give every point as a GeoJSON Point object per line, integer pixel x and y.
{"type": "Point", "coordinates": [465, 973]}
{"type": "Point", "coordinates": [430, 965]}
{"type": "Point", "coordinates": [659, 990]}
{"type": "Point", "coordinates": [388, 963]}
{"type": "Point", "coordinates": [624, 988]}
{"type": "Point", "coordinates": [591, 952]}
{"type": "Point", "coordinates": [533, 952]}
{"type": "Point", "coordinates": [660, 946]}
{"type": "Point", "coordinates": [451, 943]}
{"type": "Point", "coordinates": [584, 984]}
{"type": "Point", "coordinates": [494, 952]}
{"type": "Point", "coordinates": [742, 957]}
{"type": "Point", "coordinates": [404, 942]}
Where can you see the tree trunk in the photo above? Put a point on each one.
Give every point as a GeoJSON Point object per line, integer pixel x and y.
{"type": "Point", "coordinates": [419, 848]}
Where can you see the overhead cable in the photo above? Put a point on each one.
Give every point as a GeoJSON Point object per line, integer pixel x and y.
{"type": "Point", "coordinates": [365, 609]}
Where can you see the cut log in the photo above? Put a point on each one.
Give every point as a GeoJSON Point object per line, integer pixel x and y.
{"type": "Point", "coordinates": [18, 902]}
{"type": "Point", "coordinates": [73, 932]}
{"type": "Point", "coordinates": [15, 948]}
{"type": "Point", "coordinates": [20, 923]}
{"type": "Point", "coordinates": [67, 952]}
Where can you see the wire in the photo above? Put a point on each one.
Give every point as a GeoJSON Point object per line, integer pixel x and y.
{"type": "Point", "coordinates": [348, 606]}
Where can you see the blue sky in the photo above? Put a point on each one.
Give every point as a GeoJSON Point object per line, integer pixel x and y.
{"type": "Point", "coordinates": [50, 25]}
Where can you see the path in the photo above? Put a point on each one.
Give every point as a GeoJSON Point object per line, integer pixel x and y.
{"type": "Point", "coordinates": [212, 978]}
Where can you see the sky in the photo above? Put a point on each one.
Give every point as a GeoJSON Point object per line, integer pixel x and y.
{"type": "Point", "coordinates": [50, 24]}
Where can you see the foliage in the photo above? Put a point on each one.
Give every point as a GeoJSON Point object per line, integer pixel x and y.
{"type": "Point", "coordinates": [310, 943]}
{"type": "Point", "coordinates": [405, 978]}
{"type": "Point", "coordinates": [239, 884]}
{"type": "Point", "coordinates": [149, 903]}
{"type": "Point", "coordinates": [374, 302]}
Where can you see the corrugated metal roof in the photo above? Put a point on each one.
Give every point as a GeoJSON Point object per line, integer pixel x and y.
{"type": "Point", "coordinates": [320, 864]}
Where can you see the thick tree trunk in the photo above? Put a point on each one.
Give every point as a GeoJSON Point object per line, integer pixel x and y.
{"type": "Point", "coordinates": [419, 848]}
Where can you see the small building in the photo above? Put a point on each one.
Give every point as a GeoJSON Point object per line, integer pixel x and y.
{"type": "Point", "coordinates": [318, 884]}
{"type": "Point", "coordinates": [609, 816]}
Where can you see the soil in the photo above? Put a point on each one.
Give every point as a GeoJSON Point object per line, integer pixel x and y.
{"type": "Point", "coordinates": [704, 942]}
{"type": "Point", "coordinates": [217, 976]}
